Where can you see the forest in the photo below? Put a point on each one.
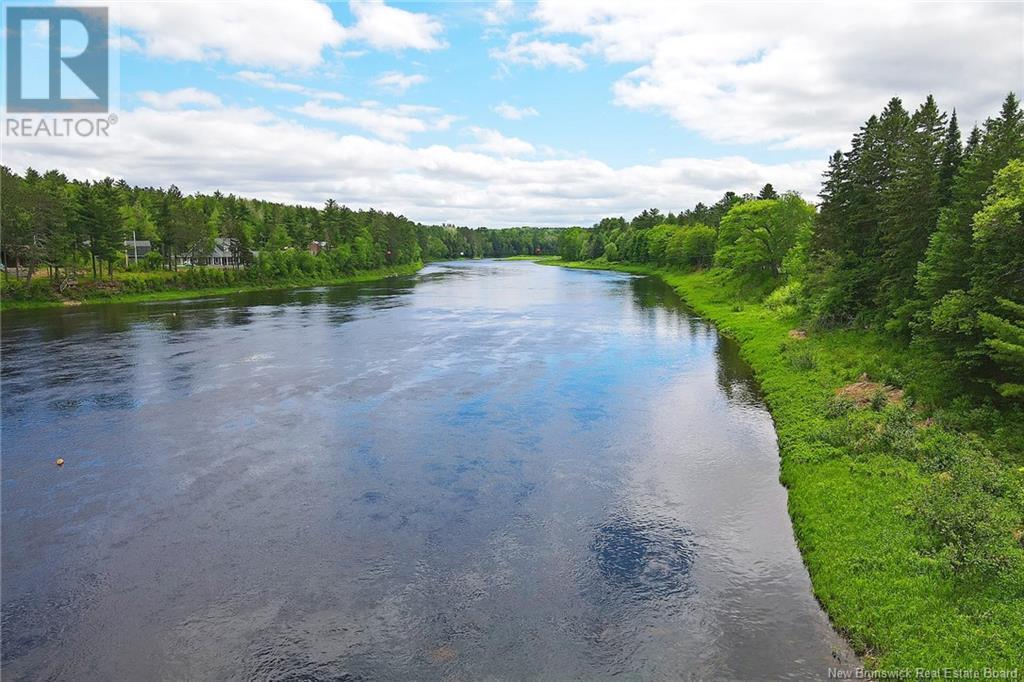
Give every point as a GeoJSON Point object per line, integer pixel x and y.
{"type": "Point", "coordinates": [68, 238]}
{"type": "Point", "coordinates": [918, 234]}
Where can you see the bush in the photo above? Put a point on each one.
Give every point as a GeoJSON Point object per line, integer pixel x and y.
{"type": "Point", "coordinates": [879, 399]}
{"type": "Point", "coordinates": [152, 261]}
{"type": "Point", "coordinates": [972, 519]}
{"type": "Point", "coordinates": [786, 299]}
{"type": "Point", "coordinates": [897, 435]}
{"type": "Point", "coordinates": [838, 406]}
{"type": "Point", "coordinates": [941, 450]}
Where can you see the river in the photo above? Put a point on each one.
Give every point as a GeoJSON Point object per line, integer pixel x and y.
{"type": "Point", "coordinates": [490, 470]}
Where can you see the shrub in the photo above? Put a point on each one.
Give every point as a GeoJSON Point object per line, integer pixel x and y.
{"type": "Point", "coordinates": [879, 399]}
{"type": "Point", "coordinates": [897, 435]}
{"type": "Point", "coordinates": [838, 406]}
{"type": "Point", "coordinates": [802, 359]}
{"type": "Point", "coordinates": [152, 261]}
{"type": "Point", "coordinates": [785, 299]}
{"type": "Point", "coordinates": [972, 520]}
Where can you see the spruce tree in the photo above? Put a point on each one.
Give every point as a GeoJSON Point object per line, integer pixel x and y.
{"type": "Point", "coordinates": [947, 261]}
{"type": "Point", "coordinates": [952, 153]}
{"type": "Point", "coordinates": [909, 208]}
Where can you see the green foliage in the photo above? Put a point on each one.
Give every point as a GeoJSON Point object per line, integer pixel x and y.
{"type": "Point", "coordinates": [787, 299]}
{"type": "Point", "coordinates": [971, 513]}
{"type": "Point", "coordinates": [152, 261]}
{"type": "Point", "coordinates": [799, 355]}
{"type": "Point", "coordinates": [572, 244]}
{"type": "Point", "coordinates": [697, 246]}
{"type": "Point", "coordinates": [611, 252]}
{"type": "Point", "coordinates": [755, 236]}
{"type": "Point", "coordinates": [838, 406]}
{"type": "Point", "coordinates": [879, 399]}
{"type": "Point", "coordinates": [1005, 345]}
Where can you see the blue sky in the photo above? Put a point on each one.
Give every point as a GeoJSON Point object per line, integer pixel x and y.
{"type": "Point", "coordinates": [413, 107]}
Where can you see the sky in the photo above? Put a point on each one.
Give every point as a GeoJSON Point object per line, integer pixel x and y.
{"type": "Point", "coordinates": [521, 113]}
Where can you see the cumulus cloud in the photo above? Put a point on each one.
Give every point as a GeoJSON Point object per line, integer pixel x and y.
{"type": "Point", "coordinates": [539, 53]}
{"type": "Point", "coordinates": [797, 75]}
{"type": "Point", "coordinates": [493, 142]}
{"type": "Point", "coordinates": [391, 28]}
{"type": "Point", "coordinates": [506, 110]}
{"type": "Point", "coordinates": [176, 99]}
{"type": "Point", "coordinates": [271, 82]}
{"type": "Point", "coordinates": [398, 82]}
{"type": "Point", "coordinates": [388, 123]}
{"type": "Point", "coordinates": [280, 34]}
{"type": "Point", "coordinates": [256, 152]}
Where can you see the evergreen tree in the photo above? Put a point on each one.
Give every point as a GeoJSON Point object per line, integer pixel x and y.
{"type": "Point", "coordinates": [947, 262]}
{"type": "Point", "coordinates": [997, 278]}
{"type": "Point", "coordinates": [909, 207]}
{"type": "Point", "coordinates": [952, 154]}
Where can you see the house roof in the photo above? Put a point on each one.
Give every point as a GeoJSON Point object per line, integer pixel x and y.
{"type": "Point", "coordinates": [222, 247]}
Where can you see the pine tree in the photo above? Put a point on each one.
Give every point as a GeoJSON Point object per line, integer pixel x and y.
{"type": "Point", "coordinates": [946, 264]}
{"type": "Point", "coordinates": [1004, 341]}
{"type": "Point", "coordinates": [910, 204]}
{"type": "Point", "coordinates": [952, 154]}
{"type": "Point", "coordinates": [167, 224]}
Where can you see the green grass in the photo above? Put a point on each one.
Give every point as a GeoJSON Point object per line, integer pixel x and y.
{"type": "Point", "coordinates": [854, 508]}
{"type": "Point", "coordinates": [158, 280]}
{"type": "Point", "coordinates": [538, 259]}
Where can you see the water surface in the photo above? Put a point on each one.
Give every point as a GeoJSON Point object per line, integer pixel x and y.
{"type": "Point", "coordinates": [490, 470]}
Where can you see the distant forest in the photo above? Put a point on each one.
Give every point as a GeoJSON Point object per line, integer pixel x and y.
{"type": "Point", "coordinates": [62, 225]}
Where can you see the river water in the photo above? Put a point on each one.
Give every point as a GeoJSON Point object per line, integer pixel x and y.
{"type": "Point", "coordinates": [491, 470]}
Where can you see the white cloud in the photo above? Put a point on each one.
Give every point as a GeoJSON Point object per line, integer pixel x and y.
{"type": "Point", "coordinates": [398, 82]}
{"type": "Point", "coordinates": [394, 123]}
{"type": "Point", "coordinates": [257, 153]}
{"type": "Point", "coordinates": [539, 53]}
{"type": "Point", "coordinates": [176, 99]}
{"type": "Point", "coordinates": [270, 82]}
{"type": "Point", "coordinates": [499, 12]}
{"type": "Point", "coordinates": [278, 34]}
{"type": "Point", "coordinates": [390, 28]}
{"type": "Point", "coordinates": [493, 142]}
{"type": "Point", "coordinates": [506, 110]}
{"type": "Point", "coordinates": [798, 75]}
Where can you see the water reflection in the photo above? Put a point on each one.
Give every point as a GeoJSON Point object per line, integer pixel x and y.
{"type": "Point", "coordinates": [490, 470]}
{"type": "Point", "coordinates": [735, 377]}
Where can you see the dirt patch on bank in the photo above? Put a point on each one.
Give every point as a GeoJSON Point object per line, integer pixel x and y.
{"type": "Point", "coordinates": [863, 391]}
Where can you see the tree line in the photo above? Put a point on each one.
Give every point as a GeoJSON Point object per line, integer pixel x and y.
{"type": "Point", "coordinates": [67, 226]}
{"type": "Point", "coordinates": [918, 234]}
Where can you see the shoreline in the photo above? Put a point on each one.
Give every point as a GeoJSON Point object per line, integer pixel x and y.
{"type": "Point", "coordinates": [852, 514]}
{"type": "Point", "coordinates": [175, 294]}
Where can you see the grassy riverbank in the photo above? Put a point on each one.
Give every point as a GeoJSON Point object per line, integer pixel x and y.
{"type": "Point", "coordinates": [169, 286]}
{"type": "Point", "coordinates": [869, 485]}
